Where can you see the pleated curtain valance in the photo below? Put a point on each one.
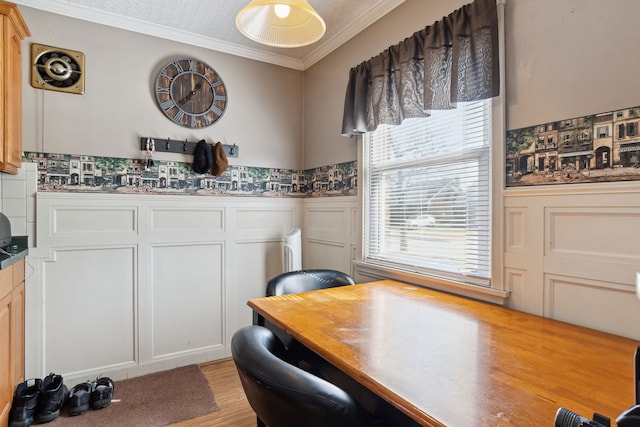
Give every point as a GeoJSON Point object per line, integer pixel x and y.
{"type": "Point", "coordinates": [453, 60]}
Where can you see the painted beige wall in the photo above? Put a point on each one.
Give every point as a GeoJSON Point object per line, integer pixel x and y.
{"type": "Point", "coordinates": [570, 58]}
{"type": "Point", "coordinates": [563, 59]}
{"type": "Point", "coordinates": [263, 117]}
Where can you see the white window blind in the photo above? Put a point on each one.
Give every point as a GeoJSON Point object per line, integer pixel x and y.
{"type": "Point", "coordinates": [427, 197]}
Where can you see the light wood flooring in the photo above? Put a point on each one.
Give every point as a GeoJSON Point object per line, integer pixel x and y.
{"type": "Point", "coordinates": [234, 408]}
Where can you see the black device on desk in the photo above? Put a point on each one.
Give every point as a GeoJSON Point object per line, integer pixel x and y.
{"type": "Point", "coordinates": [629, 418]}
{"type": "Point", "coordinates": [5, 231]}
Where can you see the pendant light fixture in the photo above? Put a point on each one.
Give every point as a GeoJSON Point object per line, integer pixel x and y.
{"type": "Point", "coordinates": [281, 23]}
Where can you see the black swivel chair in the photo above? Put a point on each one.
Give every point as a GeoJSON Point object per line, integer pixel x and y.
{"type": "Point", "coordinates": [283, 395]}
{"type": "Point", "coordinates": [294, 282]}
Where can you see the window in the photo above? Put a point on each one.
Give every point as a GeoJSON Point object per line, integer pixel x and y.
{"type": "Point", "coordinates": [603, 131]}
{"type": "Point", "coordinates": [631, 129]}
{"type": "Point", "coordinates": [427, 197]}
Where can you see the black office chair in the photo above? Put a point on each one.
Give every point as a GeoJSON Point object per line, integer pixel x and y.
{"type": "Point", "coordinates": [294, 282]}
{"type": "Point", "coordinates": [283, 395]}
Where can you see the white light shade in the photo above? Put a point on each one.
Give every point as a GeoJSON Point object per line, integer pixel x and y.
{"type": "Point", "coordinates": [259, 22]}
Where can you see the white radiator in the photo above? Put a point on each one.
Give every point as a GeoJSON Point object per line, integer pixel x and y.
{"type": "Point", "coordinates": [293, 251]}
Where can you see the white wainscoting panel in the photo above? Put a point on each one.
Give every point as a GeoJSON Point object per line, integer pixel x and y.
{"type": "Point", "coordinates": [124, 285]}
{"type": "Point", "coordinates": [514, 229]}
{"type": "Point", "coordinates": [89, 310]}
{"type": "Point", "coordinates": [515, 281]}
{"type": "Point", "coordinates": [592, 304]}
{"type": "Point", "coordinates": [257, 260]}
{"type": "Point", "coordinates": [115, 222]}
{"type": "Point", "coordinates": [601, 234]}
{"type": "Point", "coordinates": [187, 302]}
{"type": "Point", "coordinates": [572, 253]}
{"type": "Point", "coordinates": [322, 253]}
{"type": "Point", "coordinates": [91, 220]}
{"type": "Point", "coordinates": [330, 235]}
{"type": "Point", "coordinates": [187, 220]}
{"type": "Point", "coordinates": [267, 220]}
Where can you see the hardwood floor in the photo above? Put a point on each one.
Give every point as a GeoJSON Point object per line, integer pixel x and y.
{"type": "Point", "coordinates": [234, 408]}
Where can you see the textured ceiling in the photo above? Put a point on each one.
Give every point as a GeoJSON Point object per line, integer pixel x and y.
{"type": "Point", "coordinates": [211, 23]}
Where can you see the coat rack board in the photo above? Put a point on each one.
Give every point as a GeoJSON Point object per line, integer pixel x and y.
{"type": "Point", "coordinates": [184, 147]}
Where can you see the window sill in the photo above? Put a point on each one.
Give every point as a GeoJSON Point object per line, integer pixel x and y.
{"type": "Point", "coordinates": [377, 272]}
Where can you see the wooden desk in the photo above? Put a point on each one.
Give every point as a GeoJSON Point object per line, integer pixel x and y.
{"type": "Point", "coordinates": [447, 360]}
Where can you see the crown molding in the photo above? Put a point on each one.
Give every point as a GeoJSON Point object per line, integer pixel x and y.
{"type": "Point", "coordinates": [143, 27]}
{"type": "Point", "coordinates": [161, 31]}
{"type": "Point", "coordinates": [340, 38]}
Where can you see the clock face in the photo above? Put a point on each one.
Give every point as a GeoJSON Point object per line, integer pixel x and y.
{"type": "Point", "coordinates": [190, 93]}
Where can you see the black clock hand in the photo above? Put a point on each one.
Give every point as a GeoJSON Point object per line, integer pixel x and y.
{"type": "Point", "coordinates": [185, 99]}
{"type": "Point", "coordinates": [190, 95]}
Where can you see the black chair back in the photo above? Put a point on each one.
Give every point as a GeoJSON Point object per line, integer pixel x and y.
{"type": "Point", "coordinates": [283, 395]}
{"type": "Point", "coordinates": [294, 282]}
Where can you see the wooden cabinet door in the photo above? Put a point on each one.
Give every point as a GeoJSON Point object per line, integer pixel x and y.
{"type": "Point", "coordinates": [3, 91]}
{"type": "Point", "coordinates": [13, 30]}
{"type": "Point", "coordinates": [6, 388]}
{"type": "Point", "coordinates": [12, 150]}
{"type": "Point", "coordinates": [17, 335]}
{"type": "Point", "coordinates": [11, 335]}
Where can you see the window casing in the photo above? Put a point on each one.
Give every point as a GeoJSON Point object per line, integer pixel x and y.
{"type": "Point", "coordinates": [427, 194]}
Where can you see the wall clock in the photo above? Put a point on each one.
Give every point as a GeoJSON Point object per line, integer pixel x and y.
{"type": "Point", "coordinates": [190, 93]}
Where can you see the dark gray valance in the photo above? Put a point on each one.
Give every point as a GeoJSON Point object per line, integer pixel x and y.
{"type": "Point", "coordinates": [453, 60]}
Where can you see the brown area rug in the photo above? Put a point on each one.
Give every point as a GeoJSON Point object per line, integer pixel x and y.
{"type": "Point", "coordinates": [150, 401]}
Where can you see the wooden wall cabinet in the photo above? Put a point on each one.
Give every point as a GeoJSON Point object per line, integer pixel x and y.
{"type": "Point", "coordinates": [13, 30]}
{"type": "Point", "coordinates": [11, 335]}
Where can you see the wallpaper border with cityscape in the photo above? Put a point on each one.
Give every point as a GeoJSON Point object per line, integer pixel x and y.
{"type": "Point", "coordinates": [596, 148]}
{"type": "Point", "coordinates": [93, 174]}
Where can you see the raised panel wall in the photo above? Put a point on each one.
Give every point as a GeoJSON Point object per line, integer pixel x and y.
{"type": "Point", "coordinates": [592, 303]}
{"type": "Point", "coordinates": [187, 299]}
{"type": "Point", "coordinates": [330, 236]}
{"type": "Point", "coordinates": [232, 246]}
{"type": "Point", "coordinates": [257, 259]}
{"type": "Point", "coordinates": [89, 309]}
{"type": "Point", "coordinates": [146, 283]}
{"type": "Point", "coordinates": [572, 254]}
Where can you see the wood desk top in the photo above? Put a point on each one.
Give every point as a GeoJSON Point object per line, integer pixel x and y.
{"type": "Point", "coordinates": [448, 360]}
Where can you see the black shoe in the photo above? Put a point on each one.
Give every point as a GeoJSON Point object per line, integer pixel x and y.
{"type": "Point", "coordinates": [25, 401]}
{"type": "Point", "coordinates": [102, 391]}
{"type": "Point", "coordinates": [52, 396]}
{"type": "Point", "coordinates": [79, 398]}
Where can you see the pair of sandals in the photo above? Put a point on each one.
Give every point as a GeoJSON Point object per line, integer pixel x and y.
{"type": "Point", "coordinates": [96, 394]}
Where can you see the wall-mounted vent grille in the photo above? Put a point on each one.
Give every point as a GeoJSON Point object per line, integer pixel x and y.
{"type": "Point", "coordinates": [53, 68]}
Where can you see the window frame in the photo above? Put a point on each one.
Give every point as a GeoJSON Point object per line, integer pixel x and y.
{"type": "Point", "coordinates": [498, 290]}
